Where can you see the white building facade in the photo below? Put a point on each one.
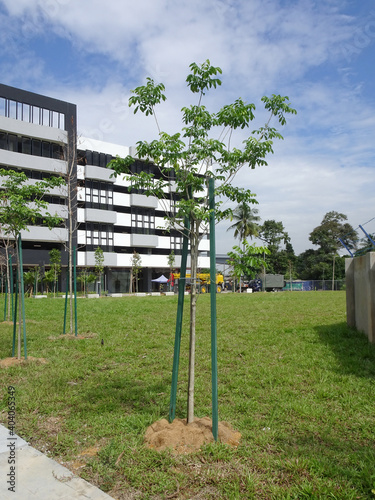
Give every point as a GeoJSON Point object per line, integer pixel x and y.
{"type": "Point", "coordinates": [38, 136]}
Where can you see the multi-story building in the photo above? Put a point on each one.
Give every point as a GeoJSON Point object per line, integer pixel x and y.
{"type": "Point", "coordinates": [38, 135]}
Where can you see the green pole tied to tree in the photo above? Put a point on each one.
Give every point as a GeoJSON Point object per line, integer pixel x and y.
{"type": "Point", "coordinates": [215, 416]}
{"type": "Point", "coordinates": [6, 299]}
{"type": "Point", "coordinates": [15, 321]}
{"type": "Point", "coordinates": [22, 291]}
{"type": "Point", "coordinates": [11, 281]}
{"type": "Point", "coordinates": [75, 287]}
{"type": "Point", "coordinates": [66, 298]}
{"type": "Point", "coordinates": [180, 310]}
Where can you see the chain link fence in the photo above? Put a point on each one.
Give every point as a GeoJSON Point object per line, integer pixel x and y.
{"type": "Point", "coordinates": [314, 285]}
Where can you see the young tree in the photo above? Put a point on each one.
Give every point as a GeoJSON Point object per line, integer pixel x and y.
{"type": "Point", "coordinates": [136, 263]}
{"type": "Point", "coordinates": [99, 266]}
{"type": "Point", "coordinates": [248, 260]}
{"type": "Point", "coordinates": [49, 279]}
{"type": "Point", "coordinates": [171, 262]}
{"type": "Point", "coordinates": [8, 251]}
{"type": "Point", "coordinates": [21, 205]}
{"type": "Point", "coordinates": [84, 278]}
{"type": "Point", "coordinates": [31, 279]}
{"type": "Point", "coordinates": [55, 261]}
{"type": "Point", "coordinates": [194, 155]}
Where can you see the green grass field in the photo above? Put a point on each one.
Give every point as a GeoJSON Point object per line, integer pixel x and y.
{"type": "Point", "coordinates": [293, 379]}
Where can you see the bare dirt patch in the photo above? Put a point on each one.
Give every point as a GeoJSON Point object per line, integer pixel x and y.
{"type": "Point", "coordinates": [7, 362]}
{"type": "Point", "coordinates": [183, 438]}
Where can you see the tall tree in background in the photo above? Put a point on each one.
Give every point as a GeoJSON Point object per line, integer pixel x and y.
{"type": "Point", "coordinates": [204, 149]}
{"type": "Point", "coordinates": [327, 236]}
{"type": "Point", "coordinates": [274, 235]}
{"type": "Point", "coordinates": [324, 262]}
{"type": "Point", "coordinates": [333, 227]}
{"type": "Point", "coordinates": [246, 220]}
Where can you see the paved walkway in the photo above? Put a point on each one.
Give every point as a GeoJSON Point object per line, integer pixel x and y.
{"type": "Point", "coordinates": [33, 476]}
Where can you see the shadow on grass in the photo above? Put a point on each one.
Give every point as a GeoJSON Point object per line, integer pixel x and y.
{"type": "Point", "coordinates": [354, 353]}
{"type": "Point", "coordinates": [124, 395]}
{"type": "Point", "coordinates": [344, 461]}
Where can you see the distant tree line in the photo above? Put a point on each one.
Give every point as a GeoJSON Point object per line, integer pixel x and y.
{"type": "Point", "coordinates": [322, 263]}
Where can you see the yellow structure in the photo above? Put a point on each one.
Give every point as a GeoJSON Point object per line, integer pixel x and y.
{"type": "Point", "coordinates": [203, 280]}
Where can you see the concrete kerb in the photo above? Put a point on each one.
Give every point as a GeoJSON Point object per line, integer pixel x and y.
{"type": "Point", "coordinates": [28, 474]}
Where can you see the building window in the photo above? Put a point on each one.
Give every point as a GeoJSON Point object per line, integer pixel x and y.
{"type": "Point", "coordinates": [143, 220]}
{"type": "Point", "coordinates": [31, 114]}
{"type": "Point", "coordinates": [36, 147]}
{"type": "Point", "coordinates": [94, 158]}
{"type": "Point", "coordinates": [176, 243]}
{"type": "Point", "coordinates": [99, 235]}
{"type": "Point", "coordinates": [26, 145]}
{"type": "Point", "coordinates": [99, 195]}
{"type": "Point", "coordinates": [29, 146]}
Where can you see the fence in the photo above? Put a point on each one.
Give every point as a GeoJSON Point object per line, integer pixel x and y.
{"type": "Point", "coordinates": [314, 285]}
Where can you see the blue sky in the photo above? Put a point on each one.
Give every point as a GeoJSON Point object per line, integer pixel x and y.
{"type": "Point", "coordinates": [319, 53]}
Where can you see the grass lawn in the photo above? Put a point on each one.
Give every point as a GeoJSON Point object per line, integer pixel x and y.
{"type": "Point", "coordinates": [293, 379]}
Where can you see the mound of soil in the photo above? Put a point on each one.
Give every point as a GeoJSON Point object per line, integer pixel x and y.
{"type": "Point", "coordinates": [183, 438]}
{"type": "Point", "coordinates": [5, 363]}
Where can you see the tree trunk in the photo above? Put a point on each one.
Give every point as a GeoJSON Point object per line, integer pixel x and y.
{"type": "Point", "coordinates": [194, 227]}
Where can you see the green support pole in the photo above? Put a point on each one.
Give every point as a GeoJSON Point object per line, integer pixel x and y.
{"type": "Point", "coordinates": [36, 282]}
{"type": "Point", "coordinates": [215, 416]}
{"type": "Point", "coordinates": [22, 298]}
{"type": "Point", "coordinates": [180, 310]}
{"type": "Point", "coordinates": [75, 288]}
{"type": "Point", "coordinates": [11, 280]}
{"type": "Point", "coordinates": [6, 299]}
{"type": "Point", "coordinates": [66, 298]}
{"type": "Point", "coordinates": [15, 322]}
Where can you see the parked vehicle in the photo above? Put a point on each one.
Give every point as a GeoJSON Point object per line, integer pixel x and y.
{"type": "Point", "coordinates": [272, 283]}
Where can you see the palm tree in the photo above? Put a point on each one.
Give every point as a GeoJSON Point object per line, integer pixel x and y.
{"type": "Point", "coordinates": [246, 222]}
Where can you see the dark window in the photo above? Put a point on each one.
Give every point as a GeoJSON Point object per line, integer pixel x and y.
{"type": "Point", "coordinates": [95, 158]}
{"type": "Point", "coordinates": [89, 157]}
{"type": "Point", "coordinates": [57, 152]}
{"type": "Point", "coordinates": [3, 140]}
{"type": "Point", "coordinates": [36, 174]}
{"type": "Point", "coordinates": [46, 149]}
{"type": "Point", "coordinates": [36, 147]}
{"type": "Point", "coordinates": [26, 145]}
{"type": "Point", "coordinates": [102, 162]}
{"type": "Point", "coordinates": [12, 142]}
{"type": "Point", "coordinates": [81, 158]}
